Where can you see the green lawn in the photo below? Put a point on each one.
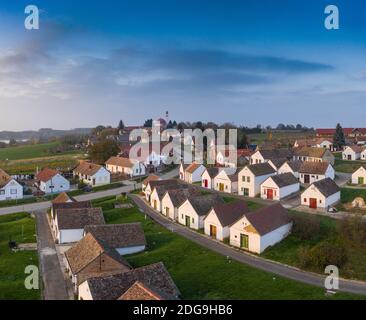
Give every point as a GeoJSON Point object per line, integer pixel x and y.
{"type": "Point", "coordinates": [287, 251]}
{"type": "Point", "coordinates": [349, 194]}
{"type": "Point", "coordinates": [202, 274]}
{"type": "Point", "coordinates": [347, 166]}
{"type": "Point", "coordinates": [21, 228]}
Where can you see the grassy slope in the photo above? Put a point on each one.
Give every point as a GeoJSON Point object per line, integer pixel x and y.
{"type": "Point", "coordinates": [12, 264]}
{"type": "Point", "coordinates": [202, 274]}
{"type": "Point", "coordinates": [287, 250]}
{"type": "Point", "coordinates": [27, 151]}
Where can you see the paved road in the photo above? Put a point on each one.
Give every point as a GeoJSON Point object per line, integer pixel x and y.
{"type": "Point", "coordinates": [54, 286]}
{"type": "Point", "coordinates": [243, 257]}
{"type": "Point", "coordinates": [41, 206]}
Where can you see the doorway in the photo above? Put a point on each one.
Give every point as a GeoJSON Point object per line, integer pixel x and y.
{"type": "Point", "coordinates": [313, 203]}
{"type": "Point", "coordinates": [270, 194]}
{"type": "Point", "coordinates": [188, 221]}
{"type": "Point", "coordinates": [244, 241]}
{"type": "Point", "coordinates": [213, 231]}
{"type": "Point", "coordinates": [306, 178]}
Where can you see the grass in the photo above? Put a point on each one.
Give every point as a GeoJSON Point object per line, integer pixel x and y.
{"type": "Point", "coordinates": [287, 250]}
{"type": "Point", "coordinates": [253, 206]}
{"type": "Point", "coordinates": [347, 166]}
{"type": "Point", "coordinates": [349, 194]}
{"type": "Point", "coordinates": [21, 228]}
{"type": "Point", "coordinates": [202, 274]}
{"type": "Point", "coordinates": [285, 137]}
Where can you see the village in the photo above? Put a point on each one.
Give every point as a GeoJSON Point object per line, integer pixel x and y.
{"type": "Point", "coordinates": [254, 204]}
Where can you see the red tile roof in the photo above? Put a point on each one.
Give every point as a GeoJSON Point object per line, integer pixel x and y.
{"type": "Point", "coordinates": [46, 174]}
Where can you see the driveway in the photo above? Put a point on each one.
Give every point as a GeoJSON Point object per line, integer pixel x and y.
{"type": "Point", "coordinates": [246, 258]}
{"type": "Point", "coordinates": [54, 284]}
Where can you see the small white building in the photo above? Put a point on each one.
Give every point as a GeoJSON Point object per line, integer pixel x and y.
{"type": "Point", "coordinates": [363, 154]}
{"type": "Point", "coordinates": [311, 172]}
{"type": "Point", "coordinates": [352, 153]}
{"type": "Point", "coordinates": [251, 177]}
{"type": "Point", "coordinates": [125, 166]}
{"type": "Point", "coordinates": [193, 173]}
{"type": "Point", "coordinates": [279, 186]}
{"type": "Point", "coordinates": [277, 163]}
{"type": "Point", "coordinates": [258, 230]}
{"type": "Point", "coordinates": [154, 183]}
{"type": "Point", "coordinates": [151, 177]}
{"type": "Point", "coordinates": [291, 167]}
{"type": "Point", "coordinates": [227, 180]}
{"type": "Point", "coordinates": [92, 174]}
{"type": "Point", "coordinates": [192, 211]}
{"type": "Point", "coordinates": [220, 218]}
{"type": "Point", "coordinates": [51, 181]}
{"type": "Point", "coordinates": [262, 156]}
{"type": "Point", "coordinates": [69, 224]}
{"type": "Point", "coordinates": [159, 191]}
{"type": "Point", "coordinates": [10, 189]}
{"type": "Point", "coordinates": [359, 176]}
{"type": "Point", "coordinates": [182, 169]}
{"type": "Point", "coordinates": [310, 154]}
{"type": "Point", "coordinates": [208, 177]}
{"type": "Point", "coordinates": [321, 194]}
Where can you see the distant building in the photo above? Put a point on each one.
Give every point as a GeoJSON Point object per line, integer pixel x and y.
{"type": "Point", "coordinates": [10, 189]}
{"type": "Point", "coordinates": [92, 174]}
{"type": "Point", "coordinates": [51, 181]}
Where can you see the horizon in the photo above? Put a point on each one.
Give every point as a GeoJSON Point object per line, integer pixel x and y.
{"type": "Point", "coordinates": [248, 63]}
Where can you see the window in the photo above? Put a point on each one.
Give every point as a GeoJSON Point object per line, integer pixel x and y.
{"type": "Point", "coordinates": [13, 191]}
{"type": "Point", "coordinates": [226, 187]}
{"type": "Point", "coordinates": [246, 191]}
{"type": "Point", "coordinates": [192, 220]}
{"type": "Point", "coordinates": [182, 216]}
{"type": "Point", "coordinates": [305, 200]}
{"type": "Point", "coordinates": [2, 192]}
{"type": "Point", "coordinates": [243, 178]}
{"type": "Point", "coordinates": [248, 179]}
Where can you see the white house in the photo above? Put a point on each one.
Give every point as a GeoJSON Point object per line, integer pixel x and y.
{"type": "Point", "coordinates": [126, 238]}
{"type": "Point", "coordinates": [10, 189]}
{"type": "Point", "coordinates": [220, 218]}
{"type": "Point", "coordinates": [92, 174]}
{"type": "Point", "coordinates": [159, 192]}
{"type": "Point", "coordinates": [208, 176]}
{"type": "Point", "coordinates": [173, 199]}
{"type": "Point", "coordinates": [193, 173]}
{"type": "Point", "coordinates": [182, 169]}
{"type": "Point", "coordinates": [321, 194]}
{"type": "Point", "coordinates": [51, 181]}
{"type": "Point", "coordinates": [352, 152]}
{"type": "Point", "coordinates": [262, 156]}
{"type": "Point", "coordinates": [151, 177]}
{"type": "Point", "coordinates": [192, 211]}
{"type": "Point", "coordinates": [154, 183]}
{"type": "Point", "coordinates": [314, 155]}
{"type": "Point", "coordinates": [292, 167]}
{"type": "Point", "coordinates": [258, 230]}
{"type": "Point", "coordinates": [251, 177]}
{"type": "Point", "coordinates": [359, 176]}
{"type": "Point", "coordinates": [227, 180]}
{"type": "Point", "coordinates": [277, 163]}
{"type": "Point", "coordinates": [363, 154]}
{"type": "Point", "coordinates": [69, 224]}
{"type": "Point", "coordinates": [279, 186]}
{"type": "Point", "coordinates": [311, 172]}
{"type": "Point", "coordinates": [125, 166]}
{"type": "Point", "coordinates": [63, 201]}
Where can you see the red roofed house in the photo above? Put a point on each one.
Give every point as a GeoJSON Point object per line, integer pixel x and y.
{"type": "Point", "coordinates": [51, 181]}
{"type": "Point", "coordinates": [125, 166]}
{"type": "Point", "coordinates": [194, 172]}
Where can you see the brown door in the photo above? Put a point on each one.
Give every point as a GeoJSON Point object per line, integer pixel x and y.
{"type": "Point", "coordinates": [313, 203]}
{"type": "Point", "coordinates": [221, 187]}
{"type": "Point", "coordinates": [213, 231]}
{"type": "Point", "coordinates": [306, 178]}
{"type": "Point", "coordinates": [349, 157]}
{"type": "Point", "coordinates": [269, 194]}
{"type": "Point", "coordinates": [155, 205]}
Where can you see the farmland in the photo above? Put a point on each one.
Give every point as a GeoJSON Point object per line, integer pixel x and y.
{"type": "Point", "coordinates": [283, 137]}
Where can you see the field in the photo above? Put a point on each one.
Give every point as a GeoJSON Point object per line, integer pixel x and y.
{"type": "Point", "coordinates": [288, 250]}
{"type": "Point", "coordinates": [202, 274]}
{"type": "Point", "coordinates": [21, 228]}
{"type": "Point", "coordinates": [347, 166]}
{"type": "Point", "coordinates": [285, 137]}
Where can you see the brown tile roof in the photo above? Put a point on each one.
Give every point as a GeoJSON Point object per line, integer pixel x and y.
{"type": "Point", "coordinates": [314, 167]}
{"type": "Point", "coordinates": [192, 167]}
{"type": "Point", "coordinates": [229, 213]}
{"type": "Point", "coordinates": [151, 177]}
{"type": "Point", "coordinates": [63, 198]}
{"type": "Point", "coordinates": [244, 152]}
{"type": "Point", "coordinates": [87, 168]}
{"type": "Point", "coordinates": [140, 292]}
{"type": "Point", "coordinates": [178, 196]}
{"type": "Point", "coordinates": [4, 178]}
{"type": "Point", "coordinates": [357, 149]}
{"type": "Point", "coordinates": [326, 187]}
{"type": "Point", "coordinates": [311, 152]}
{"type": "Point", "coordinates": [120, 162]}
{"type": "Point", "coordinates": [284, 179]}
{"type": "Point", "coordinates": [261, 169]}
{"type": "Point", "coordinates": [161, 190]}
{"type": "Point", "coordinates": [202, 204]}
{"type": "Point", "coordinates": [276, 154]}
{"type": "Point", "coordinates": [79, 218]}
{"type": "Point", "coordinates": [269, 218]}
{"type": "Point", "coordinates": [278, 162]}
{"type": "Point", "coordinates": [71, 205]}
{"type": "Point", "coordinates": [46, 174]}
{"type": "Point", "coordinates": [167, 182]}
{"type": "Point", "coordinates": [119, 235]}
{"type": "Point", "coordinates": [155, 276]}
{"type": "Point", "coordinates": [213, 172]}
{"type": "Point", "coordinates": [295, 165]}
{"type": "Point", "coordinates": [87, 250]}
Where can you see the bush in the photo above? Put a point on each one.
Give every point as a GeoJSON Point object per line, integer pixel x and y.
{"type": "Point", "coordinates": [353, 231]}
{"type": "Point", "coordinates": [306, 227]}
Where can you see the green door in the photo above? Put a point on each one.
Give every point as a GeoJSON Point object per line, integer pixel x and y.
{"type": "Point", "coordinates": [244, 241]}
{"type": "Point", "coordinates": [361, 180]}
{"type": "Point", "coordinates": [188, 221]}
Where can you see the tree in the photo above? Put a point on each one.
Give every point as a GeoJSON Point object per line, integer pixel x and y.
{"type": "Point", "coordinates": [98, 129]}
{"type": "Point", "coordinates": [148, 123]}
{"type": "Point", "coordinates": [338, 138]}
{"type": "Point", "coordinates": [121, 125]}
{"type": "Point", "coordinates": [306, 227]}
{"type": "Point", "coordinates": [103, 150]}
{"type": "Point", "coordinates": [242, 139]}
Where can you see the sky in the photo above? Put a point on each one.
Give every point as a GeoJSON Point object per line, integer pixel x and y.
{"type": "Point", "coordinates": [247, 62]}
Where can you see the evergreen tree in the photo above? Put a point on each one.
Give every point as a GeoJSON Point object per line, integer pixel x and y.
{"type": "Point", "coordinates": [338, 139]}
{"type": "Point", "coordinates": [121, 125]}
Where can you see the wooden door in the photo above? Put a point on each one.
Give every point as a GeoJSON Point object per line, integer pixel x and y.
{"type": "Point", "coordinates": [213, 231]}
{"type": "Point", "coordinates": [244, 241]}
{"type": "Point", "coordinates": [270, 194]}
{"type": "Point", "coordinates": [188, 221]}
{"type": "Point", "coordinates": [361, 180]}
{"type": "Point", "coordinates": [206, 183]}
{"type": "Point", "coordinates": [221, 187]}
{"type": "Point", "coordinates": [313, 203]}
{"type": "Point", "coordinates": [155, 205]}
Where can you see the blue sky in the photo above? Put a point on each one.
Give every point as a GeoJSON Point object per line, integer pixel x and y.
{"type": "Point", "coordinates": [245, 62]}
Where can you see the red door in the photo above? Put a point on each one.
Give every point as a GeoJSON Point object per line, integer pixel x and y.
{"type": "Point", "coordinates": [270, 194]}
{"type": "Point", "coordinates": [206, 183]}
{"type": "Point", "coordinates": [313, 203]}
